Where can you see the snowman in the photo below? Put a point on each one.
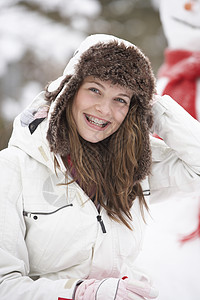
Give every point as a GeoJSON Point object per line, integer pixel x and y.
{"type": "Point", "coordinates": [171, 250]}
{"type": "Point", "coordinates": [179, 76]}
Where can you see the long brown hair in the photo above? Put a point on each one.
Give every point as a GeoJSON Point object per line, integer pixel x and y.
{"type": "Point", "coordinates": [110, 171]}
{"type": "Point", "coordinates": [106, 170]}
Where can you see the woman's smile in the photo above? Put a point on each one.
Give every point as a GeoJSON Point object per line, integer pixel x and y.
{"type": "Point", "coordinates": [96, 122]}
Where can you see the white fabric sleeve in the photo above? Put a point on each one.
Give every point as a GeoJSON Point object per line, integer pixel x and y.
{"type": "Point", "coordinates": [176, 158]}
{"type": "Point", "coordinates": [15, 283]}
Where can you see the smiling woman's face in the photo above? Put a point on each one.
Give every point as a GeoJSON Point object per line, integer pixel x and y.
{"type": "Point", "coordinates": [99, 108]}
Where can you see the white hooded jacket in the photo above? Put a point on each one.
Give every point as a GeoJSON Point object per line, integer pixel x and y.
{"type": "Point", "coordinates": [52, 235]}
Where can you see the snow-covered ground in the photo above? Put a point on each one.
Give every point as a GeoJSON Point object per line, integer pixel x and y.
{"type": "Point", "coordinates": [173, 266]}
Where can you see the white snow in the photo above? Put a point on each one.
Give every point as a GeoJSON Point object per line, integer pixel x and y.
{"type": "Point", "coordinates": [10, 107]}
{"type": "Point", "coordinates": [23, 30]}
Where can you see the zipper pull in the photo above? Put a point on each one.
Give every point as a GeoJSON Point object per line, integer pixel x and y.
{"type": "Point", "coordinates": [99, 219]}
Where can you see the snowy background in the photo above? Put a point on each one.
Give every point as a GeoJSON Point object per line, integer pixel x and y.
{"type": "Point", "coordinates": [38, 37]}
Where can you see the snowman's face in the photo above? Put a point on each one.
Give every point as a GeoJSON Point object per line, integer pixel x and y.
{"type": "Point", "coordinates": [181, 26]}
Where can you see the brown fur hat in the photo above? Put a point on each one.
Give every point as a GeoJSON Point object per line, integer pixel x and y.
{"type": "Point", "coordinates": [107, 58]}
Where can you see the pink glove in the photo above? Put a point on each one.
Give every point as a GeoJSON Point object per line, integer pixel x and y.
{"type": "Point", "coordinates": [115, 289]}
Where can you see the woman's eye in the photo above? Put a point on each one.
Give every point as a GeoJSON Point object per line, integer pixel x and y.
{"type": "Point", "coordinates": [94, 90]}
{"type": "Point", "coordinates": [121, 100]}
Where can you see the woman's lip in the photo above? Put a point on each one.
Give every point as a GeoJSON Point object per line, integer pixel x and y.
{"type": "Point", "coordinates": [94, 126]}
{"type": "Point", "coordinates": [105, 121]}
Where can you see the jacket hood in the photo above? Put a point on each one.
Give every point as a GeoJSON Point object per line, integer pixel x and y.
{"type": "Point", "coordinates": [30, 129]}
{"type": "Point", "coordinates": [107, 58]}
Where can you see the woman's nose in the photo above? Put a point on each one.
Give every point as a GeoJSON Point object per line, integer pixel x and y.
{"type": "Point", "coordinates": [104, 106]}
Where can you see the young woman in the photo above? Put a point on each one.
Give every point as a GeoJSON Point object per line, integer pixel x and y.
{"type": "Point", "coordinates": [80, 171]}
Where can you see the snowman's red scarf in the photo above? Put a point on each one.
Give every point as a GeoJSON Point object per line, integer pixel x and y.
{"type": "Point", "coordinates": [182, 68]}
{"type": "Point", "coordinates": [195, 234]}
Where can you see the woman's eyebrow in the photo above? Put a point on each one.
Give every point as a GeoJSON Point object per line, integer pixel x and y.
{"type": "Point", "coordinates": [124, 95]}
{"type": "Point", "coordinates": [99, 84]}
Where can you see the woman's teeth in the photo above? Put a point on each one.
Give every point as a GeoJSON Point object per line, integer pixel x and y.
{"type": "Point", "coordinates": [96, 121]}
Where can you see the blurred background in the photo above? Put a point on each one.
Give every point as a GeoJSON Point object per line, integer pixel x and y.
{"type": "Point", "coordinates": [37, 38]}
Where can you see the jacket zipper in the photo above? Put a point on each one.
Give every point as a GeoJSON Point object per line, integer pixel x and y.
{"type": "Point", "coordinates": [29, 214]}
{"type": "Point", "coordinates": [99, 219]}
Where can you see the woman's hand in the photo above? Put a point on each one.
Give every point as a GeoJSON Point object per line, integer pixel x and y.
{"type": "Point", "coordinates": [155, 98]}
{"type": "Point", "coordinates": [115, 289]}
